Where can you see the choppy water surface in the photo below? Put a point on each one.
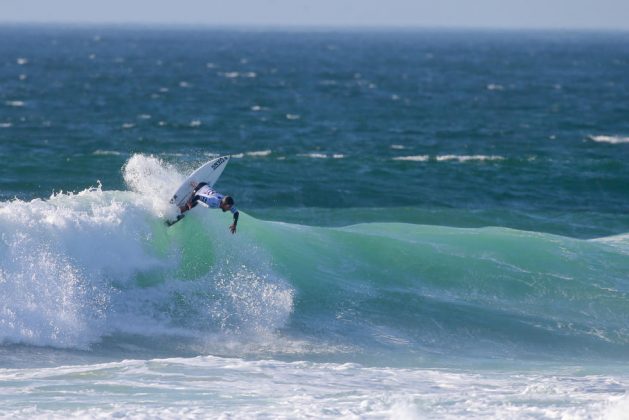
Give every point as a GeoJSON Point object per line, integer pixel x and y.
{"type": "Point", "coordinates": [435, 224]}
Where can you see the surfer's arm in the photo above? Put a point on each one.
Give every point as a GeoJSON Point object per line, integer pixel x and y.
{"type": "Point", "coordinates": [232, 228]}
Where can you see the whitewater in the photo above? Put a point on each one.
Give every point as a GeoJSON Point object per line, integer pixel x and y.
{"type": "Point", "coordinates": [107, 312]}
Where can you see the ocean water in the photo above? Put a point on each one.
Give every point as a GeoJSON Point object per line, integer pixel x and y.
{"type": "Point", "coordinates": [434, 224]}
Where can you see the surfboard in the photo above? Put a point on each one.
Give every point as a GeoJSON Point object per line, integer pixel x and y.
{"type": "Point", "coordinates": [209, 173]}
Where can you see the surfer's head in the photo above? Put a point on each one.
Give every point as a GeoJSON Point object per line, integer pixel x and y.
{"type": "Point", "coordinates": [227, 203]}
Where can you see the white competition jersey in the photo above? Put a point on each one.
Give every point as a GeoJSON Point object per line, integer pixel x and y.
{"type": "Point", "coordinates": [211, 198]}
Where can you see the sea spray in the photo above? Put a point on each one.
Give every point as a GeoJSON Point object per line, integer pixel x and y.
{"type": "Point", "coordinates": [78, 267]}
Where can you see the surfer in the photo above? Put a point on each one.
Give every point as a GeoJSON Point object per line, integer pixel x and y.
{"type": "Point", "coordinates": [212, 200]}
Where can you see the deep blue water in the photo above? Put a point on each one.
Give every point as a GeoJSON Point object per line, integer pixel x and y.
{"type": "Point", "coordinates": [531, 100]}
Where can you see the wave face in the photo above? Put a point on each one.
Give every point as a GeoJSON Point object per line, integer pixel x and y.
{"type": "Point", "coordinates": [100, 270]}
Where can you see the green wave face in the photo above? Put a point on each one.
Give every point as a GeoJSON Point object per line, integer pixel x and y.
{"type": "Point", "coordinates": [469, 291]}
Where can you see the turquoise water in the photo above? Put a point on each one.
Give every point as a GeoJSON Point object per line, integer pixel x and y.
{"type": "Point", "coordinates": [434, 223]}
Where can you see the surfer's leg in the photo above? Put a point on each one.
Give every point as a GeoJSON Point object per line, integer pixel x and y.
{"type": "Point", "coordinates": [190, 204]}
{"type": "Point", "coordinates": [199, 186]}
{"type": "Point", "coordinates": [193, 202]}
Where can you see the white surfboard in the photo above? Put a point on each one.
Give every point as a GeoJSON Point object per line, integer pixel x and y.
{"type": "Point", "coordinates": [208, 173]}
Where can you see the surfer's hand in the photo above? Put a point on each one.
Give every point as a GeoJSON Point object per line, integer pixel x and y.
{"type": "Point", "coordinates": [232, 228]}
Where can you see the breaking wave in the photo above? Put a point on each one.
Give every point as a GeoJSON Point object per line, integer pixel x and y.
{"type": "Point", "coordinates": [81, 269]}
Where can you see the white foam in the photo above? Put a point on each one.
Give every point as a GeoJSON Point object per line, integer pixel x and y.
{"type": "Point", "coordinates": [69, 268]}
{"type": "Point", "coordinates": [127, 125]}
{"type": "Point", "coordinates": [416, 158]}
{"type": "Point", "coordinates": [446, 158]}
{"type": "Point", "coordinates": [292, 117]}
{"type": "Point", "coordinates": [101, 152]}
{"type": "Point", "coordinates": [495, 86]}
{"type": "Point", "coordinates": [259, 153]}
{"type": "Point", "coordinates": [21, 61]}
{"type": "Point", "coordinates": [397, 147]}
{"type": "Point", "coordinates": [16, 104]}
{"type": "Point", "coordinates": [230, 74]}
{"type": "Point", "coordinates": [617, 409]}
{"type": "Point", "coordinates": [6, 125]}
{"type": "Point", "coordinates": [144, 174]}
{"type": "Point", "coordinates": [215, 387]}
{"type": "Point", "coordinates": [52, 267]}
{"type": "Point", "coordinates": [610, 139]}
{"type": "Point", "coordinates": [314, 155]}
{"type": "Point", "coordinates": [467, 158]}
{"type": "Point", "coordinates": [195, 123]}
{"type": "Point", "coordinates": [236, 74]}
